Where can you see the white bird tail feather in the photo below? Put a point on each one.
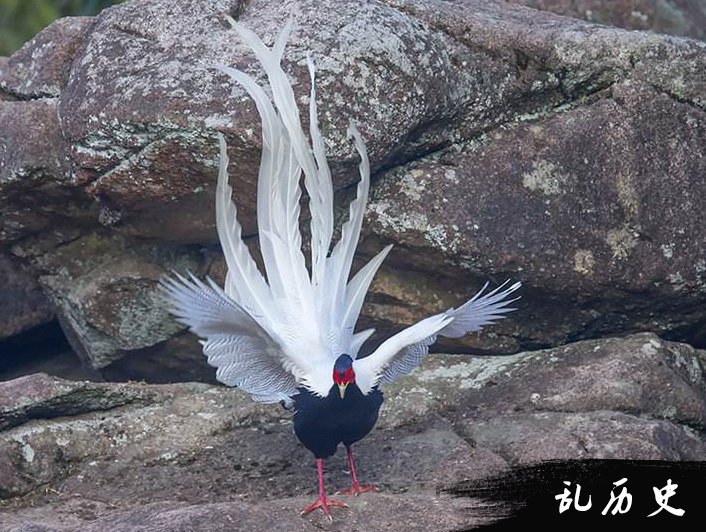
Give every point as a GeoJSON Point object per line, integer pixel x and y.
{"type": "Point", "coordinates": [355, 293]}
{"type": "Point", "coordinates": [317, 179]}
{"type": "Point", "coordinates": [345, 310]}
{"type": "Point", "coordinates": [246, 284]}
{"type": "Point", "coordinates": [358, 340]}
{"type": "Point", "coordinates": [298, 310]}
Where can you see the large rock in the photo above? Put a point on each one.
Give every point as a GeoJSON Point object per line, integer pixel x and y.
{"type": "Point", "coordinates": [105, 290]}
{"type": "Point", "coordinates": [572, 196]}
{"type": "Point", "coordinates": [677, 17]}
{"type": "Point", "coordinates": [579, 204]}
{"type": "Point", "coordinates": [33, 169]}
{"type": "Point", "coordinates": [40, 69]}
{"type": "Point", "coordinates": [85, 456]}
{"type": "Point", "coordinates": [144, 98]}
{"type": "Point", "coordinates": [39, 396]}
{"type": "Point", "coordinates": [506, 142]}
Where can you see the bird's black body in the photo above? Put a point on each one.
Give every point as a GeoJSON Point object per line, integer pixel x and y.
{"type": "Point", "coordinates": [321, 423]}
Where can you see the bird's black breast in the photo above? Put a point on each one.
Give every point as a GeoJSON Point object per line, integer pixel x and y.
{"type": "Point", "coordinates": [321, 423]}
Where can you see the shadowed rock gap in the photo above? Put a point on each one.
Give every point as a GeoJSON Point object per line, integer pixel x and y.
{"type": "Point", "coordinates": [40, 349]}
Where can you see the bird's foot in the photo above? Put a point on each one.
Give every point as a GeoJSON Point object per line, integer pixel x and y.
{"type": "Point", "coordinates": [324, 504]}
{"type": "Point", "coordinates": [357, 489]}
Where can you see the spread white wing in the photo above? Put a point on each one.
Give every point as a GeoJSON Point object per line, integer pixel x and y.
{"type": "Point", "coordinates": [404, 351]}
{"type": "Point", "coordinates": [244, 353]}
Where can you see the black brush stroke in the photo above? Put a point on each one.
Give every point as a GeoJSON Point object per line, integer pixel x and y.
{"type": "Point", "coordinates": [525, 495]}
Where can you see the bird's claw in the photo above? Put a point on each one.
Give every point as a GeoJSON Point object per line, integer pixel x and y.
{"type": "Point", "coordinates": [324, 504]}
{"type": "Point", "coordinates": [356, 489]}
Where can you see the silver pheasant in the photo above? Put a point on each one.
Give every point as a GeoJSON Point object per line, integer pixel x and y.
{"type": "Point", "coordinates": [289, 335]}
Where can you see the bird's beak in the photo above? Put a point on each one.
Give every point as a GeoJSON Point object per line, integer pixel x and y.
{"type": "Point", "coordinates": [342, 388]}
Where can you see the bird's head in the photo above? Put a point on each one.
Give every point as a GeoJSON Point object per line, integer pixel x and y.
{"type": "Point", "coordinates": [343, 373]}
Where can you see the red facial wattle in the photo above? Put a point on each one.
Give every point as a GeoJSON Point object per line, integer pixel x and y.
{"type": "Point", "coordinates": [343, 379]}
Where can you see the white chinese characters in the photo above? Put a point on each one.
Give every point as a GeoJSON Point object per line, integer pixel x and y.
{"type": "Point", "coordinates": [622, 502]}
{"type": "Point", "coordinates": [566, 500]}
{"type": "Point", "coordinates": [619, 503]}
{"type": "Point", "coordinates": [662, 497]}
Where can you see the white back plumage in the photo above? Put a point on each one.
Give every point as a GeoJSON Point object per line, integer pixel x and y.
{"type": "Point", "coordinates": [270, 335]}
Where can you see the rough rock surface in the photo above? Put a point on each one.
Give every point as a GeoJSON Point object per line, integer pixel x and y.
{"type": "Point", "coordinates": [106, 288]}
{"type": "Point", "coordinates": [676, 17]}
{"type": "Point", "coordinates": [574, 218]}
{"type": "Point", "coordinates": [33, 169]}
{"type": "Point", "coordinates": [23, 304]}
{"type": "Point", "coordinates": [85, 456]}
{"type": "Point", "coordinates": [505, 141]}
{"type": "Point", "coordinates": [41, 68]}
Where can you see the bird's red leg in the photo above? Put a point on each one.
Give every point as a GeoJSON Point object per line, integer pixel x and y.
{"type": "Point", "coordinates": [322, 502]}
{"type": "Point", "coordinates": [356, 488]}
